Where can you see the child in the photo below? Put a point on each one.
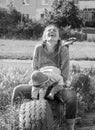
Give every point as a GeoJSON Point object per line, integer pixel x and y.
{"type": "Point", "coordinates": [45, 77]}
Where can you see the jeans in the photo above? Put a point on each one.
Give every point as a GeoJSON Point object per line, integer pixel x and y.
{"type": "Point", "coordinates": [70, 98]}
{"type": "Point", "coordinates": [68, 95]}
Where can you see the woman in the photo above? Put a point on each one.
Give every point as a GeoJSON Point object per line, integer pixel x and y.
{"type": "Point", "coordinates": [51, 53]}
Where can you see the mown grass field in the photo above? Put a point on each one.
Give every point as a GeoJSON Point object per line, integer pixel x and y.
{"type": "Point", "coordinates": [23, 49]}
{"type": "Point", "coordinates": [16, 49]}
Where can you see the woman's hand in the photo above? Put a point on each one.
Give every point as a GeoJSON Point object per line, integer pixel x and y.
{"type": "Point", "coordinates": [69, 41]}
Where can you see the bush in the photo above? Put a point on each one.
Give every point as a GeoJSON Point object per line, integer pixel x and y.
{"type": "Point", "coordinates": [29, 30]}
{"type": "Point", "coordinates": [67, 32]}
{"type": "Point", "coordinates": [11, 26]}
{"type": "Point", "coordinates": [90, 24]}
{"type": "Point", "coordinates": [8, 22]}
{"type": "Point", "coordinates": [63, 13]}
{"type": "Point", "coordinates": [83, 82]}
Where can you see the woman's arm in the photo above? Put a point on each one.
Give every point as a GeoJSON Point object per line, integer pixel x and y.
{"type": "Point", "coordinates": [35, 58]}
{"type": "Point", "coordinates": [64, 53]}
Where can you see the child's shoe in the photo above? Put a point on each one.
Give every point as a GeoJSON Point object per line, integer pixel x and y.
{"type": "Point", "coordinates": [50, 96]}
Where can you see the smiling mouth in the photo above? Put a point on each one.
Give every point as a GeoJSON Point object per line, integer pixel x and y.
{"type": "Point", "coordinates": [52, 35]}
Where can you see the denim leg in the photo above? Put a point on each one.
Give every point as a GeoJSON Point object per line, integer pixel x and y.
{"type": "Point", "coordinates": [23, 90]}
{"type": "Point", "coordinates": [70, 98]}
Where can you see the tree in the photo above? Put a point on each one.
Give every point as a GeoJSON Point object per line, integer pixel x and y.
{"type": "Point", "coordinates": [9, 18]}
{"type": "Point", "coordinates": [64, 13]}
{"type": "Point", "coordinates": [73, 15]}
{"type": "Point", "coordinates": [3, 21]}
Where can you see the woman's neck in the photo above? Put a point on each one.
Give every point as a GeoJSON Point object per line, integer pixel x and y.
{"type": "Point", "coordinates": [50, 46]}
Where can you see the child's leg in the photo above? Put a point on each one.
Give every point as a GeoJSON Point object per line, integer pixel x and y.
{"type": "Point", "coordinates": [55, 78]}
{"type": "Point", "coordinates": [54, 90]}
{"type": "Point", "coordinates": [59, 78]}
{"type": "Point", "coordinates": [34, 92]}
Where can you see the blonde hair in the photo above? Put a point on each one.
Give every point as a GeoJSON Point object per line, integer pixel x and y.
{"type": "Point", "coordinates": [57, 46]}
{"type": "Point", "coordinates": [44, 33]}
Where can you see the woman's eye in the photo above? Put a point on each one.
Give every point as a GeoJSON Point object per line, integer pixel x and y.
{"type": "Point", "coordinates": [54, 30]}
{"type": "Point", "coordinates": [48, 34]}
{"type": "Point", "coordinates": [50, 30]}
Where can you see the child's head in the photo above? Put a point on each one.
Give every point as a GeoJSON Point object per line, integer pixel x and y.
{"type": "Point", "coordinates": [38, 78]}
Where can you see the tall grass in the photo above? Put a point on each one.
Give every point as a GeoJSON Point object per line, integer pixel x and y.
{"type": "Point", "coordinates": [9, 78]}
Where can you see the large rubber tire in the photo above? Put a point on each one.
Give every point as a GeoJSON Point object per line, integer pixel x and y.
{"type": "Point", "coordinates": [36, 115]}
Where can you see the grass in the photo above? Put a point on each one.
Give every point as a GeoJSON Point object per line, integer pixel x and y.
{"type": "Point", "coordinates": [9, 78]}
{"type": "Point", "coordinates": [83, 51]}
{"type": "Point", "coordinates": [16, 49]}
{"type": "Point", "coordinates": [23, 49]}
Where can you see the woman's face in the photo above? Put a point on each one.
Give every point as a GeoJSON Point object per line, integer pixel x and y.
{"type": "Point", "coordinates": [51, 34]}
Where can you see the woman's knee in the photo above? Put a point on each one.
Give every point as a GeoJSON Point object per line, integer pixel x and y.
{"type": "Point", "coordinates": [15, 93]}
{"type": "Point", "coordinates": [16, 90]}
{"type": "Point", "coordinates": [69, 95]}
{"type": "Point", "coordinates": [70, 99]}
{"type": "Point", "coordinates": [24, 88]}
{"type": "Point", "coordinates": [21, 90]}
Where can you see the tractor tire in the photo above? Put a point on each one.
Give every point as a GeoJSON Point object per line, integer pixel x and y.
{"type": "Point", "coordinates": [36, 115]}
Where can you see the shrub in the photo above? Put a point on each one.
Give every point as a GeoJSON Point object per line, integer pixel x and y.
{"type": "Point", "coordinates": [29, 30]}
{"type": "Point", "coordinates": [67, 32]}
{"type": "Point", "coordinates": [8, 22]}
{"type": "Point", "coordinates": [12, 27]}
{"type": "Point", "coordinates": [83, 82]}
{"type": "Point", "coordinates": [90, 24]}
{"type": "Point", "coordinates": [63, 13]}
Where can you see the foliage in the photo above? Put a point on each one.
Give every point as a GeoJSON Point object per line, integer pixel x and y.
{"type": "Point", "coordinates": [90, 24]}
{"type": "Point", "coordinates": [63, 13]}
{"type": "Point", "coordinates": [8, 80]}
{"type": "Point", "coordinates": [8, 118]}
{"type": "Point", "coordinates": [67, 32]}
{"type": "Point", "coordinates": [83, 82]}
{"type": "Point", "coordinates": [29, 30]}
{"type": "Point", "coordinates": [12, 27]}
{"type": "Point", "coordinates": [8, 21]}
